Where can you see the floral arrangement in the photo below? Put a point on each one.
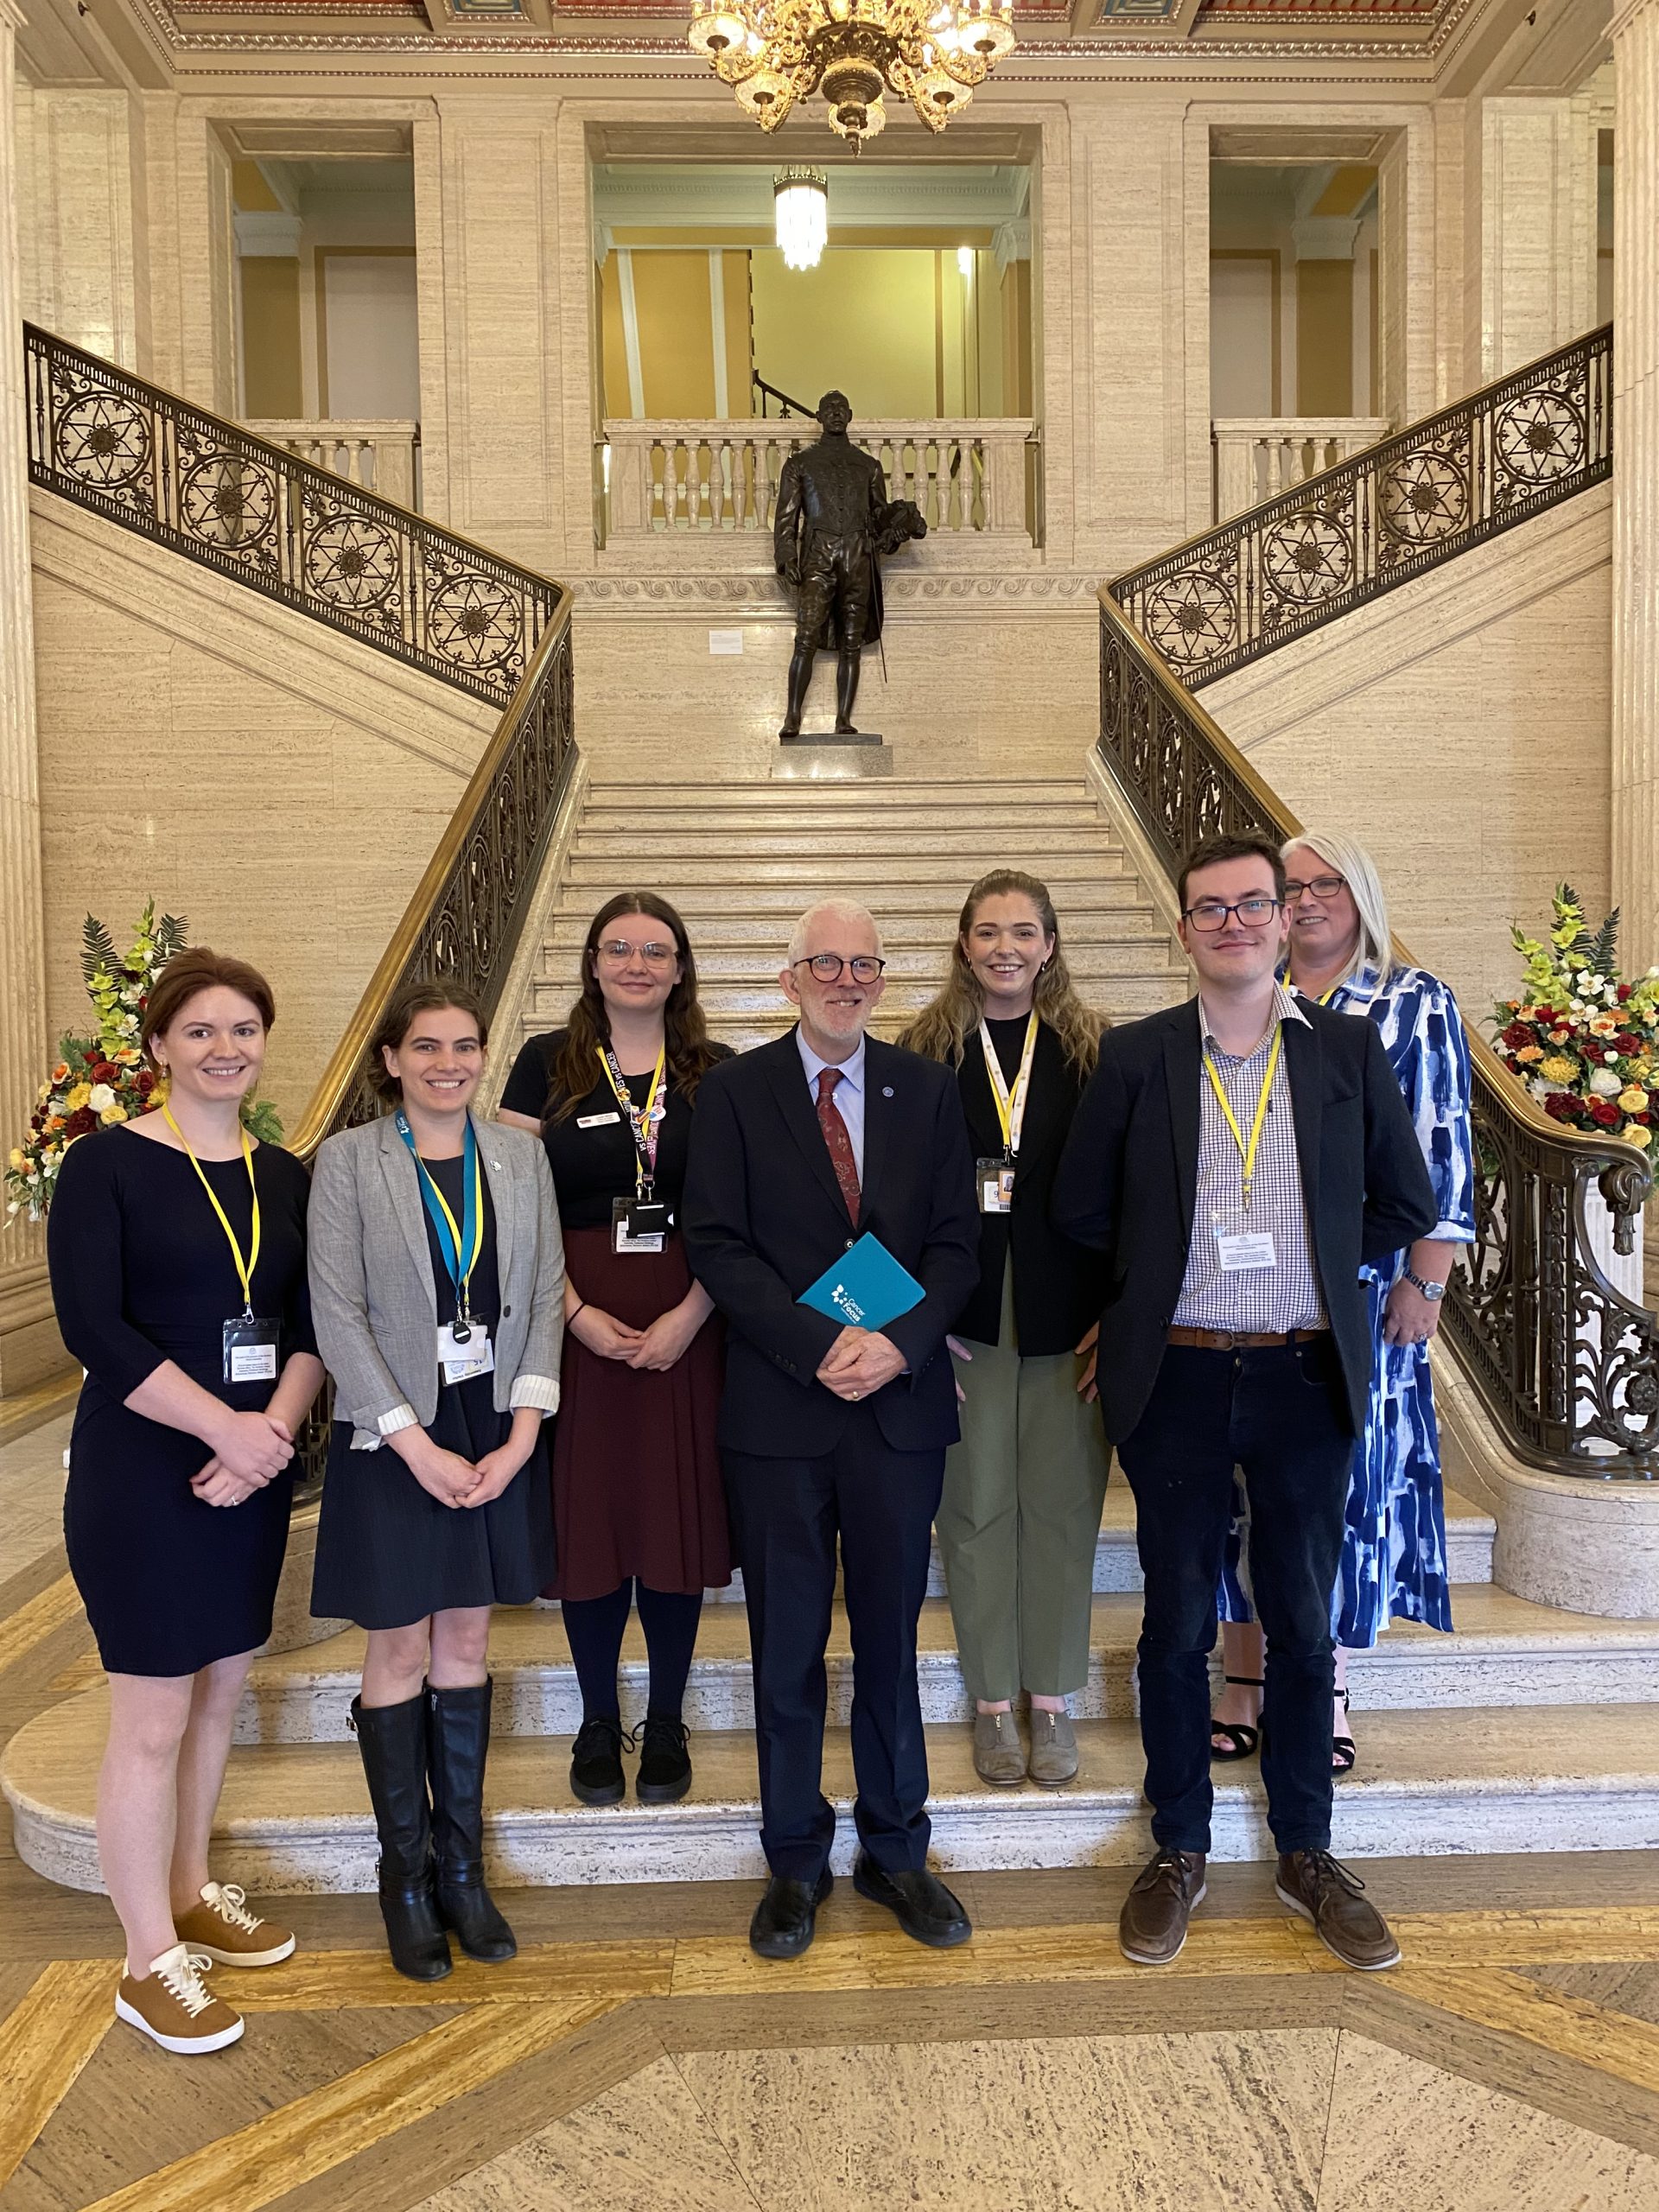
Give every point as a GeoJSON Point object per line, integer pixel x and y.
{"type": "Point", "coordinates": [1584, 1042]}
{"type": "Point", "coordinates": [101, 1080]}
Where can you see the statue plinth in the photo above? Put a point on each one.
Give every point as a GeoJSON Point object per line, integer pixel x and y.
{"type": "Point", "coordinates": [830, 737]}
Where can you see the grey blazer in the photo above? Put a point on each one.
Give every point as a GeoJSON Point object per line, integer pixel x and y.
{"type": "Point", "coordinates": [372, 1300]}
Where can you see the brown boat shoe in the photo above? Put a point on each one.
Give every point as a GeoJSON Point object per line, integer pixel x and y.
{"type": "Point", "coordinates": [222, 1928]}
{"type": "Point", "coordinates": [1152, 1927]}
{"type": "Point", "coordinates": [1324, 1891]}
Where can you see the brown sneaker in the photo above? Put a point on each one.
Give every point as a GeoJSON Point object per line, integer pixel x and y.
{"type": "Point", "coordinates": [222, 1928]}
{"type": "Point", "coordinates": [1152, 1927]}
{"type": "Point", "coordinates": [1323, 1891]}
{"type": "Point", "coordinates": [171, 2005]}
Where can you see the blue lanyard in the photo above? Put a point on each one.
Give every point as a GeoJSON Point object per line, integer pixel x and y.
{"type": "Point", "coordinates": [471, 1210]}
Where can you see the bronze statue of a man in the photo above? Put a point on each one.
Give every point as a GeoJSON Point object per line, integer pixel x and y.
{"type": "Point", "coordinates": [833, 518]}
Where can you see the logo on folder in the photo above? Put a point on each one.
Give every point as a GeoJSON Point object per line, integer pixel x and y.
{"type": "Point", "coordinates": [867, 1287]}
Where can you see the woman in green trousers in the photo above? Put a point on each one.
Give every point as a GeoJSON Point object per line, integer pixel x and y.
{"type": "Point", "coordinates": [1023, 1490]}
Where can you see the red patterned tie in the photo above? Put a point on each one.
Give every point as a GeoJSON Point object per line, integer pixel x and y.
{"type": "Point", "coordinates": [835, 1136]}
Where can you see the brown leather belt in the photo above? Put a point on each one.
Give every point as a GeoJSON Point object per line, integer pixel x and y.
{"type": "Point", "coordinates": [1227, 1340]}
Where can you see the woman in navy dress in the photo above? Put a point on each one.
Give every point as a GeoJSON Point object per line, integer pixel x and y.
{"type": "Point", "coordinates": [177, 1253]}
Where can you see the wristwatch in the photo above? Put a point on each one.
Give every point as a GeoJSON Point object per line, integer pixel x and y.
{"type": "Point", "coordinates": [1432, 1291]}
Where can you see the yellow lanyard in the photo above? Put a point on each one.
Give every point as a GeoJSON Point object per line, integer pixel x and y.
{"type": "Point", "coordinates": [1247, 1153]}
{"type": "Point", "coordinates": [644, 1126]}
{"type": "Point", "coordinates": [1010, 1108]}
{"type": "Point", "coordinates": [243, 1268]}
{"type": "Point", "coordinates": [464, 1278]}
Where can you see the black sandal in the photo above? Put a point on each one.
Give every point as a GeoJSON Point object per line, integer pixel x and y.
{"type": "Point", "coordinates": [1243, 1736]}
{"type": "Point", "coordinates": [1343, 1750]}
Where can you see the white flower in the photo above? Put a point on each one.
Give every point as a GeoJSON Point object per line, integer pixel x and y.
{"type": "Point", "coordinates": [102, 1096]}
{"type": "Point", "coordinates": [1604, 1083]}
{"type": "Point", "coordinates": [1538, 1088]}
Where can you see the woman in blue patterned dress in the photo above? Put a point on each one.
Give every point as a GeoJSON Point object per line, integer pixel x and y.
{"type": "Point", "coordinates": [1394, 1554]}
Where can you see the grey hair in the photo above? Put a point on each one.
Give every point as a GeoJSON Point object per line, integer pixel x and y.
{"type": "Point", "coordinates": [844, 910]}
{"type": "Point", "coordinates": [1355, 865]}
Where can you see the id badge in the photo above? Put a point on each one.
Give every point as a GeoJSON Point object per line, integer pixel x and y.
{"type": "Point", "coordinates": [1241, 1249]}
{"type": "Point", "coordinates": [251, 1348]}
{"type": "Point", "coordinates": [638, 1225]}
{"type": "Point", "coordinates": [458, 1363]}
{"type": "Point", "coordinates": [993, 1178]}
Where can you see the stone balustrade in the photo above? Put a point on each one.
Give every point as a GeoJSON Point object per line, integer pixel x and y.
{"type": "Point", "coordinates": [1259, 456]}
{"type": "Point", "coordinates": [968, 477]}
{"type": "Point", "coordinates": [379, 456]}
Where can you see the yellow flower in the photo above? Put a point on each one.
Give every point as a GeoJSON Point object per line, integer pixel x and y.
{"type": "Point", "coordinates": [1559, 1069]}
{"type": "Point", "coordinates": [126, 1056]}
{"type": "Point", "coordinates": [1530, 1052]}
{"type": "Point", "coordinates": [15, 1161]}
{"type": "Point", "coordinates": [1633, 1100]}
{"type": "Point", "coordinates": [1637, 1134]}
{"type": "Point", "coordinates": [78, 1098]}
{"type": "Point", "coordinates": [115, 1112]}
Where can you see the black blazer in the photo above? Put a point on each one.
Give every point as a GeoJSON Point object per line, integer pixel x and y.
{"type": "Point", "coordinates": [763, 1216]}
{"type": "Point", "coordinates": [1059, 1286]}
{"type": "Point", "coordinates": [1127, 1183]}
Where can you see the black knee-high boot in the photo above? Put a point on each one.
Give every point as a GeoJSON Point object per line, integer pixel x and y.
{"type": "Point", "coordinates": [458, 1742]}
{"type": "Point", "coordinates": [392, 1739]}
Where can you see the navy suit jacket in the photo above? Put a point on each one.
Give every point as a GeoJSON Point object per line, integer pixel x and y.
{"type": "Point", "coordinates": [1127, 1183]}
{"type": "Point", "coordinates": [763, 1218]}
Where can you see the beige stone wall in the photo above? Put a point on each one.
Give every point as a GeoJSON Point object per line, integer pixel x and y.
{"type": "Point", "coordinates": [1460, 728]}
{"type": "Point", "coordinates": [281, 786]}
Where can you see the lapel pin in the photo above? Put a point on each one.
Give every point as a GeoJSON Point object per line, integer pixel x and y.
{"type": "Point", "coordinates": [886, 1090]}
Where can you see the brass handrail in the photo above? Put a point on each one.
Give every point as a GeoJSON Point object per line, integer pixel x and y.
{"type": "Point", "coordinates": [173, 474]}
{"type": "Point", "coordinates": [1345, 536]}
{"type": "Point", "coordinates": [1566, 1367]}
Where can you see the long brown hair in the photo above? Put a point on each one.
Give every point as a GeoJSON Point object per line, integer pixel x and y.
{"type": "Point", "coordinates": [941, 1030]}
{"type": "Point", "coordinates": [690, 1053]}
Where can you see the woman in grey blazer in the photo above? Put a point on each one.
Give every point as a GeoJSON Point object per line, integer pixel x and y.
{"type": "Point", "coordinates": [437, 1289]}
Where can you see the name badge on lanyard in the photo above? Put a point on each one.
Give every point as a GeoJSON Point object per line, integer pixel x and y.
{"type": "Point", "coordinates": [249, 1346]}
{"type": "Point", "coordinates": [1239, 1247]}
{"type": "Point", "coordinates": [639, 1223]}
{"type": "Point", "coordinates": [464, 1347]}
{"type": "Point", "coordinates": [993, 1178]}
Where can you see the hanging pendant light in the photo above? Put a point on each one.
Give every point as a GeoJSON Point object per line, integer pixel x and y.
{"type": "Point", "coordinates": [801, 208]}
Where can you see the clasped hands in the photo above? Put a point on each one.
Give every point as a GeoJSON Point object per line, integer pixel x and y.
{"type": "Point", "coordinates": [859, 1362]}
{"type": "Point", "coordinates": [250, 1449]}
{"type": "Point", "coordinates": [454, 1481]}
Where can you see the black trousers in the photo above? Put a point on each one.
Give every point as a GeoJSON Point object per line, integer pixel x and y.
{"type": "Point", "coordinates": [1280, 1414]}
{"type": "Point", "coordinates": [787, 1516]}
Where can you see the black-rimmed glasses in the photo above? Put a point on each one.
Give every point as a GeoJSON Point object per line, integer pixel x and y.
{"type": "Point", "coordinates": [829, 966]}
{"type": "Point", "coordinates": [1210, 915]}
{"type": "Point", "coordinates": [1322, 886]}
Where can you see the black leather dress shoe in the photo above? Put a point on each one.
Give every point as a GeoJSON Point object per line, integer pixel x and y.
{"type": "Point", "coordinates": [919, 1901]}
{"type": "Point", "coordinates": [787, 1917]}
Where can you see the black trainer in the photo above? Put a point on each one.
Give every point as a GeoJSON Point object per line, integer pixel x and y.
{"type": "Point", "coordinates": [664, 1774]}
{"type": "Point", "coordinates": [597, 1762]}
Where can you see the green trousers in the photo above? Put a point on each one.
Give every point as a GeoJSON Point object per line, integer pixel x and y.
{"type": "Point", "coordinates": [1019, 1518]}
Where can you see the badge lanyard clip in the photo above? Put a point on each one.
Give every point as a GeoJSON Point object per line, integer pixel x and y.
{"type": "Point", "coordinates": [437, 1206]}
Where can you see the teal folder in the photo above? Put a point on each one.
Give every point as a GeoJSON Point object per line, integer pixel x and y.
{"type": "Point", "coordinates": [866, 1288]}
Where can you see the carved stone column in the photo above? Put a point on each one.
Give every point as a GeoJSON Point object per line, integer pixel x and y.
{"type": "Point", "coordinates": [29, 1341]}
{"type": "Point", "coordinates": [1636, 472]}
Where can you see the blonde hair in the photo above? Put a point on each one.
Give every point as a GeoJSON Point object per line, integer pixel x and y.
{"type": "Point", "coordinates": [941, 1030]}
{"type": "Point", "coordinates": [1357, 869]}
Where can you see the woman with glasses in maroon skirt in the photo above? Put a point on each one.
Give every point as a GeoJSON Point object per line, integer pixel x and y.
{"type": "Point", "coordinates": [639, 1504]}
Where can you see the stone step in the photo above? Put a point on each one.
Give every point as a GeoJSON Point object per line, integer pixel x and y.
{"type": "Point", "coordinates": [929, 933]}
{"type": "Point", "coordinates": [747, 905]}
{"type": "Point", "coordinates": [868, 878]}
{"type": "Point", "coordinates": [757, 967]}
{"type": "Point", "coordinates": [1151, 982]}
{"type": "Point", "coordinates": [295, 1817]}
{"type": "Point", "coordinates": [661, 848]}
{"type": "Point", "coordinates": [916, 795]}
{"type": "Point", "coordinates": [1506, 1652]}
{"type": "Point", "coordinates": [1045, 824]}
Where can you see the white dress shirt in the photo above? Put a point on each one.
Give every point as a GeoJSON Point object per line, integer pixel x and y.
{"type": "Point", "coordinates": [848, 1093]}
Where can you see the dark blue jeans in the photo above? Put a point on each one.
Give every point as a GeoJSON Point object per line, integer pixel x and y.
{"type": "Point", "coordinates": [1279, 1413]}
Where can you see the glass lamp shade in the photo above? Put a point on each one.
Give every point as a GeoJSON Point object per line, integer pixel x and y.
{"type": "Point", "coordinates": [767, 95]}
{"type": "Point", "coordinates": [716, 28]}
{"type": "Point", "coordinates": [801, 208]}
{"type": "Point", "coordinates": [984, 29]}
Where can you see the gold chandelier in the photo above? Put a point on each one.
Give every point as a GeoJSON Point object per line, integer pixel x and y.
{"type": "Point", "coordinates": [773, 52]}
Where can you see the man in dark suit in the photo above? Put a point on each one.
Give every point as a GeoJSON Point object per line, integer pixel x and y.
{"type": "Point", "coordinates": [1237, 1158]}
{"type": "Point", "coordinates": [828, 1431]}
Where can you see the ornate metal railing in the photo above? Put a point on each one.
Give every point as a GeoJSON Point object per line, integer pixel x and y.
{"type": "Point", "coordinates": [211, 490]}
{"type": "Point", "coordinates": [1566, 1366]}
{"type": "Point", "coordinates": [1372, 522]}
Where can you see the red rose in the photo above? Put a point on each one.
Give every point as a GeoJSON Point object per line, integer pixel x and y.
{"type": "Point", "coordinates": [1626, 1043]}
{"type": "Point", "coordinates": [146, 1083]}
{"type": "Point", "coordinates": [79, 1122]}
{"type": "Point", "coordinates": [1517, 1035]}
{"type": "Point", "coordinates": [1561, 1106]}
{"type": "Point", "coordinates": [1624, 990]}
{"type": "Point", "coordinates": [105, 1072]}
{"type": "Point", "coordinates": [1604, 1111]}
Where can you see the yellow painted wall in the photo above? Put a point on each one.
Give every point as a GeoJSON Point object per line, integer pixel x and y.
{"type": "Point", "coordinates": [1324, 338]}
{"type": "Point", "coordinates": [861, 321]}
{"type": "Point", "coordinates": [270, 338]}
